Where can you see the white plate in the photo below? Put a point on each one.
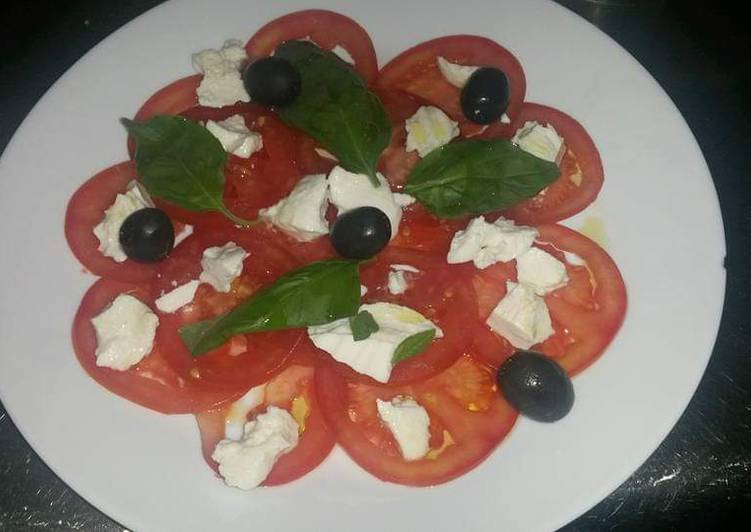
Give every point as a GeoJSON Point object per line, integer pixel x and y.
{"type": "Point", "coordinates": [661, 217]}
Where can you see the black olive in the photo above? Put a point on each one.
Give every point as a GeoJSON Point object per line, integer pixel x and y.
{"type": "Point", "coordinates": [536, 386]}
{"type": "Point", "coordinates": [486, 95]}
{"type": "Point", "coordinates": [147, 235]}
{"type": "Point", "coordinates": [272, 81]}
{"type": "Point", "coordinates": [361, 233]}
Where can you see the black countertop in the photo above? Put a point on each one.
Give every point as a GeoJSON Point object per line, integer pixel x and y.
{"type": "Point", "coordinates": [700, 52]}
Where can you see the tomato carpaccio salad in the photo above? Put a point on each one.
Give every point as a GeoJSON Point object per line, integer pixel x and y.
{"type": "Point", "coordinates": [307, 250]}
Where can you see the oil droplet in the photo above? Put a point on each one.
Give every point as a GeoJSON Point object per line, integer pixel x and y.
{"type": "Point", "coordinates": [594, 228]}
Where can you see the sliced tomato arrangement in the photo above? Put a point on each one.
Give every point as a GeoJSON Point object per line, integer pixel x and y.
{"type": "Point", "coordinates": [586, 313]}
{"type": "Point", "coordinates": [396, 162]}
{"type": "Point", "coordinates": [581, 170]}
{"type": "Point", "coordinates": [468, 419]}
{"type": "Point", "coordinates": [416, 72]}
{"type": "Point", "coordinates": [246, 360]}
{"type": "Point", "coordinates": [326, 29]}
{"type": "Point", "coordinates": [86, 209]}
{"type": "Point", "coordinates": [454, 378]}
{"type": "Point", "coordinates": [154, 382]}
{"type": "Point", "coordinates": [292, 390]}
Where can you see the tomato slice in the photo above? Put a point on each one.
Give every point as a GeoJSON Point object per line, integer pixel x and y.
{"type": "Point", "coordinates": [468, 419]}
{"type": "Point", "coordinates": [325, 28]}
{"type": "Point", "coordinates": [265, 177]}
{"type": "Point", "coordinates": [245, 360]}
{"type": "Point", "coordinates": [292, 390]}
{"type": "Point", "coordinates": [433, 292]}
{"type": "Point", "coordinates": [153, 382]}
{"type": "Point", "coordinates": [415, 71]}
{"type": "Point", "coordinates": [581, 171]}
{"type": "Point", "coordinates": [396, 163]}
{"type": "Point", "coordinates": [86, 209]}
{"type": "Point", "coordinates": [586, 313]}
{"type": "Point", "coordinates": [421, 230]}
{"type": "Point", "coordinates": [172, 99]}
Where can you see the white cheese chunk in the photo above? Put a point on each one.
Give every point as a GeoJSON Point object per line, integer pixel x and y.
{"type": "Point", "coordinates": [247, 462]}
{"type": "Point", "coordinates": [409, 422]}
{"type": "Point", "coordinates": [221, 265]}
{"type": "Point", "coordinates": [372, 356]}
{"type": "Point", "coordinates": [540, 271]}
{"type": "Point", "coordinates": [541, 141]}
{"type": "Point", "coordinates": [237, 415]}
{"type": "Point", "coordinates": [302, 214]}
{"type": "Point", "coordinates": [349, 191]}
{"type": "Point", "coordinates": [403, 200]}
{"type": "Point", "coordinates": [454, 73]}
{"type": "Point", "coordinates": [184, 233]}
{"type": "Point", "coordinates": [124, 333]}
{"type": "Point", "coordinates": [429, 128]}
{"type": "Point", "coordinates": [397, 281]}
{"type": "Point", "coordinates": [231, 56]}
{"type": "Point", "coordinates": [235, 136]}
{"type": "Point", "coordinates": [107, 231]}
{"type": "Point", "coordinates": [222, 82]}
{"type": "Point", "coordinates": [363, 290]}
{"type": "Point", "coordinates": [343, 54]}
{"type": "Point", "coordinates": [177, 298]}
{"type": "Point", "coordinates": [485, 243]}
{"type": "Point", "coordinates": [521, 317]}
{"type": "Point", "coordinates": [574, 259]}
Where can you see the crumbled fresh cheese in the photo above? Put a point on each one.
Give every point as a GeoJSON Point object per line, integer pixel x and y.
{"type": "Point", "coordinates": [403, 200]}
{"type": "Point", "coordinates": [343, 54]}
{"type": "Point", "coordinates": [505, 119]}
{"type": "Point", "coordinates": [237, 415]}
{"type": "Point", "coordinates": [349, 191]}
{"type": "Point", "coordinates": [235, 136]}
{"type": "Point", "coordinates": [372, 356]}
{"type": "Point", "coordinates": [541, 141]}
{"type": "Point", "coordinates": [573, 259]}
{"type": "Point", "coordinates": [521, 317]}
{"type": "Point", "coordinates": [485, 243]}
{"type": "Point", "coordinates": [397, 282]}
{"type": "Point", "coordinates": [124, 333]}
{"type": "Point", "coordinates": [454, 73]}
{"type": "Point", "coordinates": [184, 233]}
{"type": "Point", "coordinates": [222, 82]}
{"type": "Point", "coordinates": [107, 231]}
{"type": "Point", "coordinates": [247, 462]}
{"type": "Point", "coordinates": [409, 422]}
{"type": "Point", "coordinates": [325, 154]}
{"type": "Point", "coordinates": [429, 128]}
{"type": "Point", "coordinates": [222, 265]}
{"type": "Point", "coordinates": [177, 298]}
{"type": "Point", "coordinates": [302, 214]}
{"type": "Point", "coordinates": [540, 271]}
{"type": "Point", "coordinates": [363, 290]}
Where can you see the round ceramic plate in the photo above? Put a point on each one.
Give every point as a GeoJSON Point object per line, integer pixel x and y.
{"type": "Point", "coordinates": [145, 470]}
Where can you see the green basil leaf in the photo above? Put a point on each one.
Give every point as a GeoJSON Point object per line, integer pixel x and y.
{"type": "Point", "coordinates": [180, 162]}
{"type": "Point", "coordinates": [317, 293]}
{"type": "Point", "coordinates": [478, 176]}
{"type": "Point", "coordinates": [413, 345]}
{"type": "Point", "coordinates": [336, 108]}
{"type": "Point", "coordinates": [362, 325]}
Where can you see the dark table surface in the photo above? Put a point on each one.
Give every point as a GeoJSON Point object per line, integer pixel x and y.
{"type": "Point", "coordinates": [700, 477]}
